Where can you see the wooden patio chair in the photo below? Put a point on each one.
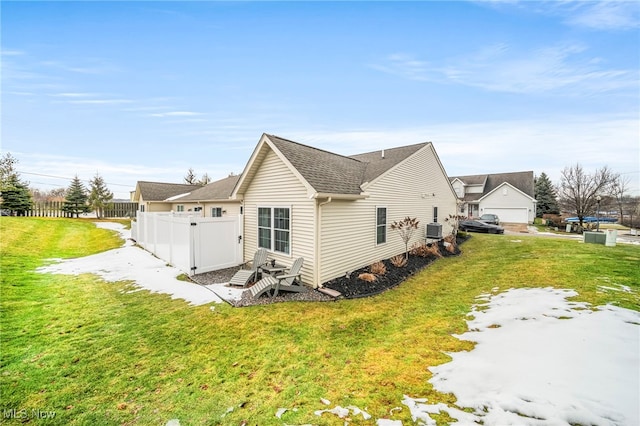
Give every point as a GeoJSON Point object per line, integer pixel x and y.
{"type": "Point", "coordinates": [244, 276]}
{"type": "Point", "coordinates": [284, 282]}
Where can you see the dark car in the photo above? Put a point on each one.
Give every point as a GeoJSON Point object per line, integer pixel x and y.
{"type": "Point", "coordinates": [490, 218]}
{"type": "Point", "coordinates": [477, 226]}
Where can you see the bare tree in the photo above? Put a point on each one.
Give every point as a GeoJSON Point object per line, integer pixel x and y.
{"type": "Point", "coordinates": [619, 189]}
{"type": "Point", "coordinates": [578, 189]}
{"type": "Point", "coordinates": [205, 179]}
{"type": "Point", "coordinates": [191, 177]}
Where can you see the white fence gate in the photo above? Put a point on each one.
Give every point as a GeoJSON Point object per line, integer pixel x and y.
{"type": "Point", "coordinates": [192, 244]}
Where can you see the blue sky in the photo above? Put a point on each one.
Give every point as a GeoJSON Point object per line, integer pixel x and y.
{"type": "Point", "coordinates": [145, 90]}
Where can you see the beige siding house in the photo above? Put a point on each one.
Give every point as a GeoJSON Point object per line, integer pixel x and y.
{"type": "Point", "coordinates": [334, 210]}
{"type": "Point", "coordinates": [152, 196]}
{"type": "Point", "coordinates": [211, 200]}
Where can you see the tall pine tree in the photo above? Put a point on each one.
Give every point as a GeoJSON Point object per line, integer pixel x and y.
{"type": "Point", "coordinates": [99, 195]}
{"type": "Point", "coordinates": [15, 195]}
{"type": "Point", "coordinates": [545, 195]}
{"type": "Point", "coordinates": [76, 200]}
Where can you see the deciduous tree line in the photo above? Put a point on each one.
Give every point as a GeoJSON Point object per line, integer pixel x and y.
{"type": "Point", "coordinates": [583, 193]}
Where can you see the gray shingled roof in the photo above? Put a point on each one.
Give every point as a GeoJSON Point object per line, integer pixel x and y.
{"type": "Point", "coordinates": [521, 180]}
{"type": "Point", "coordinates": [325, 171]}
{"type": "Point", "coordinates": [377, 165]}
{"type": "Point", "coordinates": [218, 190]}
{"type": "Point", "coordinates": [471, 179]}
{"type": "Point", "coordinates": [160, 191]}
{"type": "Point", "coordinates": [332, 173]}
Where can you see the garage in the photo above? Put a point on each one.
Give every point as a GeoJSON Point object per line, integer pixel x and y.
{"type": "Point", "coordinates": [509, 214]}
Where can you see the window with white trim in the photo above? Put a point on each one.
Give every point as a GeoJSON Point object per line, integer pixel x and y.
{"type": "Point", "coordinates": [216, 211]}
{"type": "Point", "coordinates": [179, 208]}
{"type": "Point", "coordinates": [274, 229]}
{"type": "Point", "coordinates": [381, 225]}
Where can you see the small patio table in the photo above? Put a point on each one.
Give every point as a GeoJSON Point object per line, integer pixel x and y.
{"type": "Point", "coordinates": [273, 270]}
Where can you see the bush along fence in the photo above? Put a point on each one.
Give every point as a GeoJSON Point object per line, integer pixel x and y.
{"type": "Point", "coordinates": [54, 209]}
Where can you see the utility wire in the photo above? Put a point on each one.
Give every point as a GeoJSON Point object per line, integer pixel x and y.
{"type": "Point", "coordinates": [69, 179]}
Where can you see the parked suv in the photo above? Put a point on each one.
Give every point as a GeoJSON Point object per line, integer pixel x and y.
{"type": "Point", "coordinates": [490, 218]}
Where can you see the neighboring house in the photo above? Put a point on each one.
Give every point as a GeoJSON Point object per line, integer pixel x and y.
{"type": "Point", "coordinates": [334, 210]}
{"type": "Point", "coordinates": [152, 196]}
{"type": "Point", "coordinates": [509, 195]}
{"type": "Point", "coordinates": [211, 200]}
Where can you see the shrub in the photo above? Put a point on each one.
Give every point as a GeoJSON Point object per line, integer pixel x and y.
{"type": "Point", "coordinates": [406, 228]}
{"type": "Point", "coordinates": [378, 268]}
{"type": "Point", "coordinates": [426, 250]}
{"type": "Point", "coordinates": [450, 243]}
{"type": "Point", "coordinates": [367, 277]}
{"type": "Point", "coordinates": [398, 261]}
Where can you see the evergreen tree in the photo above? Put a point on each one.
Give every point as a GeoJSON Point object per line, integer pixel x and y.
{"type": "Point", "coordinates": [76, 200]}
{"type": "Point", "coordinates": [99, 195]}
{"type": "Point", "coordinates": [15, 195]}
{"type": "Point", "coordinates": [545, 195]}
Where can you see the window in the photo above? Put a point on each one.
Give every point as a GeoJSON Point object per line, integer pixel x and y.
{"type": "Point", "coordinates": [435, 214]}
{"type": "Point", "coordinates": [216, 211]}
{"type": "Point", "coordinates": [142, 207]}
{"type": "Point", "coordinates": [381, 225]}
{"type": "Point", "coordinates": [274, 228]}
{"type": "Point", "coordinates": [180, 208]}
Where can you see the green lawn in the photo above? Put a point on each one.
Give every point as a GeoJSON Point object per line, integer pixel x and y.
{"type": "Point", "coordinates": [95, 354]}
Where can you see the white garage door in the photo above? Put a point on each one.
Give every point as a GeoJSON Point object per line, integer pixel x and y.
{"type": "Point", "coordinates": [509, 215]}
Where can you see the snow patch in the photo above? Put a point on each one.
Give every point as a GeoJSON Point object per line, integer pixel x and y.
{"type": "Point", "coordinates": [131, 263]}
{"type": "Point", "coordinates": [550, 361]}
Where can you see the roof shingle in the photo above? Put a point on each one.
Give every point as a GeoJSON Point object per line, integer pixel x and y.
{"type": "Point", "coordinates": [332, 173]}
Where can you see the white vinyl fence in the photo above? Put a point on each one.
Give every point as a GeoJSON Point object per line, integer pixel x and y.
{"type": "Point", "coordinates": [192, 244]}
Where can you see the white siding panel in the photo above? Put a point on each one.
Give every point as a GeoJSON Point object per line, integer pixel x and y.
{"type": "Point", "coordinates": [274, 185]}
{"type": "Point", "coordinates": [509, 199]}
{"type": "Point", "coordinates": [348, 238]}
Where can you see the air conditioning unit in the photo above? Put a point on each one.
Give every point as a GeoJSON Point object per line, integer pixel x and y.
{"type": "Point", "coordinates": [434, 231]}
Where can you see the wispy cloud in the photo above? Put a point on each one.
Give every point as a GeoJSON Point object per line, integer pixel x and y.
{"type": "Point", "coordinates": [74, 95]}
{"type": "Point", "coordinates": [11, 52]}
{"type": "Point", "coordinates": [501, 68]}
{"type": "Point", "coordinates": [89, 66]}
{"type": "Point", "coordinates": [496, 146]}
{"type": "Point", "coordinates": [101, 101]}
{"type": "Point", "coordinates": [176, 114]}
{"type": "Point", "coordinates": [600, 15]}
{"type": "Point", "coordinates": [603, 15]}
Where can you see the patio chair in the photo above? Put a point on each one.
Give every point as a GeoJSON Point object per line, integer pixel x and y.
{"type": "Point", "coordinates": [244, 276]}
{"type": "Point", "coordinates": [285, 282]}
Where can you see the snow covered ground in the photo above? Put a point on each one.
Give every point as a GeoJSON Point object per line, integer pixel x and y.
{"type": "Point", "coordinates": [539, 359]}
{"type": "Point", "coordinates": [542, 360]}
{"type": "Point", "coordinates": [147, 271]}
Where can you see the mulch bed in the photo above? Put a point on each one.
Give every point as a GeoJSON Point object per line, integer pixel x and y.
{"type": "Point", "coordinates": [351, 287]}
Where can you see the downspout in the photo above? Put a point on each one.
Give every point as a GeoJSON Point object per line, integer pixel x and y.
{"type": "Point", "coordinates": [318, 245]}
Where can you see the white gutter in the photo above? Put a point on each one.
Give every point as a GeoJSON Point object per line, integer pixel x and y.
{"type": "Point", "coordinates": [330, 196]}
